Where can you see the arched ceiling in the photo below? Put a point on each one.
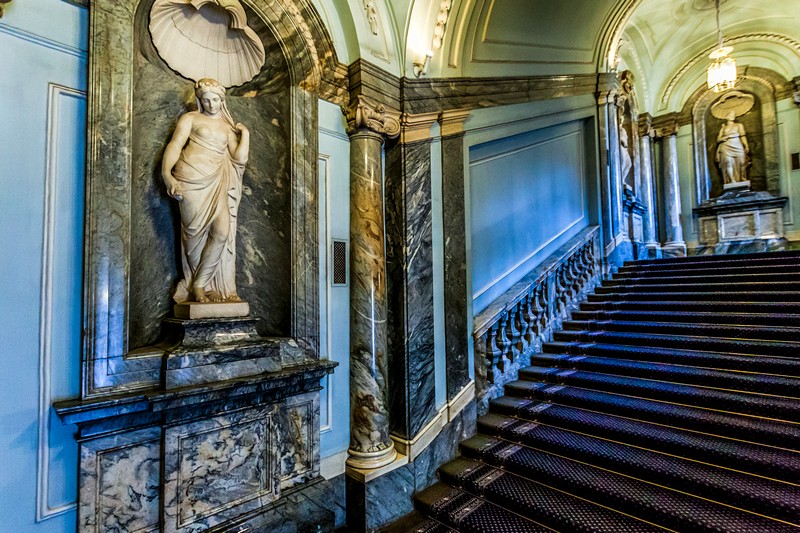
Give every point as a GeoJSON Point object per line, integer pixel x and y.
{"type": "Point", "coordinates": [664, 42]}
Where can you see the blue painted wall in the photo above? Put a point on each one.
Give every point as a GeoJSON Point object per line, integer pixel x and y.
{"type": "Point", "coordinates": [334, 217]}
{"type": "Point", "coordinates": [42, 143]}
{"type": "Point", "coordinates": [528, 194]}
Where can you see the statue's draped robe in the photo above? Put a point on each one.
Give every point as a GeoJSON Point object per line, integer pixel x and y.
{"type": "Point", "coordinates": [211, 185]}
{"type": "Point", "coordinates": [731, 153]}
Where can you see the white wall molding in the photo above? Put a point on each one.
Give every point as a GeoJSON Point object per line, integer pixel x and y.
{"type": "Point", "coordinates": [42, 41]}
{"type": "Point", "coordinates": [44, 510]}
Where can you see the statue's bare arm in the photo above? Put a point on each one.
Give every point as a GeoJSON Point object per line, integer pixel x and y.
{"type": "Point", "coordinates": [239, 148]}
{"type": "Point", "coordinates": [173, 152]}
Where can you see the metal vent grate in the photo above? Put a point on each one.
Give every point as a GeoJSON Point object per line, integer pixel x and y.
{"type": "Point", "coordinates": [339, 263]}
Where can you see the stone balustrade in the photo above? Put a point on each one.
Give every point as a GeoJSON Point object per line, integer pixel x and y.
{"type": "Point", "coordinates": [514, 326]}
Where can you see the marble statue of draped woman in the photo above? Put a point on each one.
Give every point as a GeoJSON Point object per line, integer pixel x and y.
{"type": "Point", "coordinates": [202, 168]}
{"type": "Point", "coordinates": [732, 150]}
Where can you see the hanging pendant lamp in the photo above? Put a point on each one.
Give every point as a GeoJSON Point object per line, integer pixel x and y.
{"type": "Point", "coordinates": [722, 70]}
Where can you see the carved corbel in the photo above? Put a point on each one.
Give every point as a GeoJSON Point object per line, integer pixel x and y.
{"type": "Point", "coordinates": [366, 113]}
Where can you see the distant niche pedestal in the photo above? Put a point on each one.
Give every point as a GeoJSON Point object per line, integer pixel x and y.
{"type": "Point", "coordinates": [741, 221]}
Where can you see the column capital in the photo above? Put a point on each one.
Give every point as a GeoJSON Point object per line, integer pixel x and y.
{"type": "Point", "coordinates": [666, 125]}
{"type": "Point", "coordinates": [607, 97]}
{"type": "Point", "coordinates": [646, 126]}
{"type": "Point", "coordinates": [452, 122]}
{"type": "Point", "coordinates": [366, 113]}
{"type": "Point", "coordinates": [417, 127]}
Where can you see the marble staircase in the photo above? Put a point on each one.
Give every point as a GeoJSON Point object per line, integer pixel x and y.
{"type": "Point", "coordinates": [670, 401]}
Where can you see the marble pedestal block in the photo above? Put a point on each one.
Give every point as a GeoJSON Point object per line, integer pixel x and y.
{"type": "Point", "coordinates": [216, 457]}
{"type": "Point", "coordinates": [208, 351]}
{"type": "Point", "coordinates": [741, 221]}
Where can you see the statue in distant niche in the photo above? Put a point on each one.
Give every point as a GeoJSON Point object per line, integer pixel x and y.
{"type": "Point", "coordinates": [732, 150]}
{"type": "Point", "coordinates": [625, 164]}
{"type": "Point", "coordinates": [202, 169]}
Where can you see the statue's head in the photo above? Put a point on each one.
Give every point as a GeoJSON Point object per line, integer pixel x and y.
{"type": "Point", "coordinates": [731, 116]}
{"type": "Point", "coordinates": [210, 95]}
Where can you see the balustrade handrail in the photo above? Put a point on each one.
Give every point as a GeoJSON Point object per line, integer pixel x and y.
{"type": "Point", "coordinates": [484, 320]}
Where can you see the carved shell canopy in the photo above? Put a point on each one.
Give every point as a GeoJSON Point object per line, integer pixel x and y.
{"type": "Point", "coordinates": [207, 39]}
{"type": "Point", "coordinates": [735, 101]}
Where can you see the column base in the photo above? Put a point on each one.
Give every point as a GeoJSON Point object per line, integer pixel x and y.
{"type": "Point", "coordinates": [371, 460]}
{"type": "Point", "coordinates": [674, 249]}
{"type": "Point", "coordinates": [653, 250]}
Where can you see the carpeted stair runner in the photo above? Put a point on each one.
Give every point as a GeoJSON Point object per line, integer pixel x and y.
{"type": "Point", "coordinates": [670, 402]}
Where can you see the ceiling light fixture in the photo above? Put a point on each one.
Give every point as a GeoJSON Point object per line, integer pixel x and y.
{"type": "Point", "coordinates": [722, 70]}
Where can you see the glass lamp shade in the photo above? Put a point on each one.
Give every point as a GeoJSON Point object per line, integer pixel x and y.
{"type": "Point", "coordinates": [722, 71]}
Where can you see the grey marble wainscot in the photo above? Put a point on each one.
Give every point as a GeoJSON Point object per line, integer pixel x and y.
{"type": "Point", "coordinates": [409, 261]}
{"type": "Point", "coordinates": [383, 500]}
{"type": "Point", "coordinates": [369, 416]}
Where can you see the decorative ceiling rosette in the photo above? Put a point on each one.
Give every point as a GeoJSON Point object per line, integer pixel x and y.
{"type": "Point", "coordinates": [207, 39]}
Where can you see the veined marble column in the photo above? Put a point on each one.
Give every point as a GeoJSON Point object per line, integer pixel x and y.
{"type": "Point", "coordinates": [611, 186]}
{"type": "Point", "coordinates": [646, 134]}
{"type": "Point", "coordinates": [674, 245]}
{"type": "Point", "coordinates": [370, 444]}
{"type": "Point", "coordinates": [457, 335]}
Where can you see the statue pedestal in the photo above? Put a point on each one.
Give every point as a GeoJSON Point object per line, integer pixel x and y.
{"type": "Point", "coordinates": [741, 221]}
{"type": "Point", "coordinates": [198, 310]}
{"type": "Point", "coordinates": [737, 186]}
{"type": "Point", "coordinates": [212, 350]}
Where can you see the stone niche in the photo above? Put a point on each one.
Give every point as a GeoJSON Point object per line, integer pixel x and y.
{"type": "Point", "coordinates": [746, 216]}
{"type": "Point", "coordinates": [193, 425]}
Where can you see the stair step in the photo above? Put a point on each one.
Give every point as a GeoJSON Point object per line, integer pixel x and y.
{"type": "Point", "coordinates": [730, 278]}
{"type": "Point", "coordinates": [734, 402]}
{"type": "Point", "coordinates": [693, 317]}
{"type": "Point", "coordinates": [431, 526]}
{"type": "Point", "coordinates": [702, 286]}
{"type": "Point", "coordinates": [688, 375]}
{"type": "Point", "coordinates": [659, 505]}
{"type": "Point", "coordinates": [748, 257]}
{"type": "Point", "coordinates": [746, 457]}
{"type": "Point", "coordinates": [731, 331]}
{"type": "Point", "coordinates": [685, 342]}
{"type": "Point", "coordinates": [765, 496]}
{"type": "Point", "coordinates": [704, 272]}
{"type": "Point", "coordinates": [767, 432]}
{"type": "Point", "coordinates": [781, 366]}
{"type": "Point", "coordinates": [552, 508]}
{"type": "Point", "coordinates": [699, 296]}
{"type": "Point", "coordinates": [706, 306]}
{"type": "Point", "coordinates": [464, 512]}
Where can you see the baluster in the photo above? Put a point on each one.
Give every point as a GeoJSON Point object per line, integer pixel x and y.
{"type": "Point", "coordinates": [483, 365]}
{"type": "Point", "coordinates": [529, 321]}
{"type": "Point", "coordinates": [504, 343]}
{"type": "Point", "coordinates": [514, 333]}
{"type": "Point", "coordinates": [495, 352]}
